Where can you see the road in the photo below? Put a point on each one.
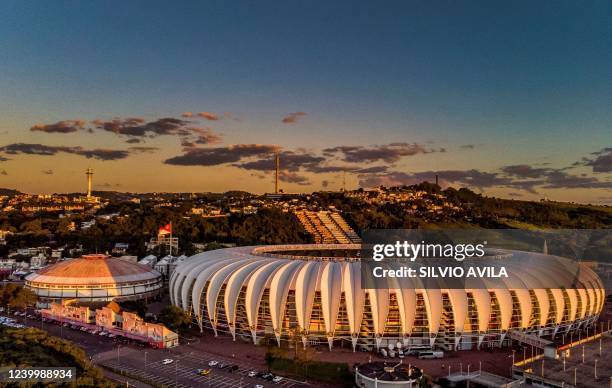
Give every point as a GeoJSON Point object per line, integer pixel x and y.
{"type": "Point", "coordinates": [145, 363]}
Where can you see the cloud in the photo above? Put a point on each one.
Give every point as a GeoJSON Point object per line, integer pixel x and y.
{"type": "Point", "coordinates": [371, 170]}
{"type": "Point", "coordinates": [205, 136]}
{"type": "Point", "coordinates": [139, 127]}
{"type": "Point", "coordinates": [3, 158]}
{"type": "Point", "coordinates": [602, 161]}
{"type": "Point", "coordinates": [468, 146]}
{"type": "Point", "coordinates": [66, 126]}
{"type": "Point", "coordinates": [389, 153]}
{"type": "Point", "coordinates": [144, 149]}
{"type": "Point", "coordinates": [520, 177]}
{"type": "Point", "coordinates": [107, 185]}
{"type": "Point", "coordinates": [3, 172]}
{"type": "Point", "coordinates": [293, 177]}
{"type": "Point", "coordinates": [187, 114]}
{"type": "Point", "coordinates": [469, 178]}
{"type": "Point", "coordinates": [47, 172]}
{"type": "Point", "coordinates": [292, 118]}
{"type": "Point", "coordinates": [220, 155]}
{"type": "Point", "coordinates": [526, 171]}
{"type": "Point", "coordinates": [563, 180]}
{"type": "Point", "coordinates": [45, 150]}
{"type": "Point", "coordinates": [209, 116]}
{"type": "Point", "coordinates": [289, 161]}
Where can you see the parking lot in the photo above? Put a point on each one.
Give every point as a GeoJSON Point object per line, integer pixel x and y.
{"type": "Point", "coordinates": [182, 372]}
{"type": "Point", "coordinates": [141, 362]}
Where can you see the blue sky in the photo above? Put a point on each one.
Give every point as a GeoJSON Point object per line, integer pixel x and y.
{"type": "Point", "coordinates": [524, 83]}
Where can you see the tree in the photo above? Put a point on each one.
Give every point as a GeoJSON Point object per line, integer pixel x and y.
{"type": "Point", "coordinates": [174, 318]}
{"type": "Point", "coordinates": [12, 295]}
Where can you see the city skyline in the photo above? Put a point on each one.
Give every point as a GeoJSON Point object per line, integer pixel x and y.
{"type": "Point", "coordinates": [511, 101]}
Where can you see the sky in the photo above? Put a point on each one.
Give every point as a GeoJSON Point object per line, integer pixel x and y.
{"type": "Point", "coordinates": [508, 99]}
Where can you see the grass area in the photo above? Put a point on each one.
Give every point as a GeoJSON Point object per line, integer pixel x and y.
{"type": "Point", "coordinates": [36, 348]}
{"type": "Point", "coordinates": [331, 372]}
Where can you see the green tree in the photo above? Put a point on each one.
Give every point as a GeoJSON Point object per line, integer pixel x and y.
{"type": "Point", "coordinates": [174, 318]}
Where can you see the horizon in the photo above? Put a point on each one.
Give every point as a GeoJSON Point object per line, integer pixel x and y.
{"type": "Point", "coordinates": [510, 101]}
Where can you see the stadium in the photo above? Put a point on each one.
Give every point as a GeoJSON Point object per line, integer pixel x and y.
{"type": "Point", "coordinates": [94, 278]}
{"type": "Point", "coordinates": [314, 292]}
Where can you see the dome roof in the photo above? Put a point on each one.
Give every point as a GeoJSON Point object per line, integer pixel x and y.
{"type": "Point", "coordinates": [93, 269]}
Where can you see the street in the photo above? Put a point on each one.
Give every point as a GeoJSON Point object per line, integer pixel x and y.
{"type": "Point", "coordinates": [145, 364]}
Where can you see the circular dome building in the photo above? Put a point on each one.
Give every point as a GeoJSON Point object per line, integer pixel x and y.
{"type": "Point", "coordinates": [94, 278]}
{"type": "Point", "coordinates": [315, 291]}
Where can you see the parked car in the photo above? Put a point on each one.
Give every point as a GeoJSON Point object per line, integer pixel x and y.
{"type": "Point", "coordinates": [415, 350]}
{"type": "Point", "coordinates": [213, 363]}
{"type": "Point", "coordinates": [277, 379]}
{"type": "Point", "coordinates": [430, 355]}
{"type": "Point", "coordinates": [252, 373]}
{"type": "Point", "coordinates": [167, 361]}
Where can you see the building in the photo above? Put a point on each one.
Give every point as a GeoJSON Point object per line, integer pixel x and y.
{"type": "Point", "coordinates": [94, 278]}
{"type": "Point", "coordinates": [327, 227]}
{"type": "Point", "coordinates": [110, 318]}
{"type": "Point", "coordinates": [167, 264]}
{"type": "Point", "coordinates": [316, 290]}
{"type": "Point", "coordinates": [149, 261]}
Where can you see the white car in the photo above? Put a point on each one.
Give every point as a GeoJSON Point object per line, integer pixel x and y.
{"type": "Point", "coordinates": [259, 386]}
{"type": "Point", "coordinates": [213, 363]}
{"type": "Point", "coordinates": [252, 373]}
{"type": "Point", "coordinates": [277, 379]}
{"type": "Point", "coordinates": [167, 361]}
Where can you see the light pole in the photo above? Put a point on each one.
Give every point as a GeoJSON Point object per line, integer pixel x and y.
{"type": "Point", "coordinates": [600, 345]}
{"type": "Point", "coordinates": [563, 362]}
{"type": "Point", "coordinates": [575, 370]}
{"type": "Point", "coordinates": [118, 347]}
{"type": "Point", "coordinates": [145, 366]}
{"type": "Point", "coordinates": [595, 369]}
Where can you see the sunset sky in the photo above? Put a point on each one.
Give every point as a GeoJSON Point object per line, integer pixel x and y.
{"type": "Point", "coordinates": [508, 98]}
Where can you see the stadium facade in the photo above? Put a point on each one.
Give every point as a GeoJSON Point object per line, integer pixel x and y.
{"type": "Point", "coordinates": [94, 278]}
{"type": "Point", "coordinates": [314, 292]}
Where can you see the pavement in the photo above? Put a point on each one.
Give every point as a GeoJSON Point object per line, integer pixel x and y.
{"type": "Point", "coordinates": [593, 371]}
{"type": "Point", "coordinates": [182, 371]}
{"type": "Point", "coordinates": [141, 366]}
